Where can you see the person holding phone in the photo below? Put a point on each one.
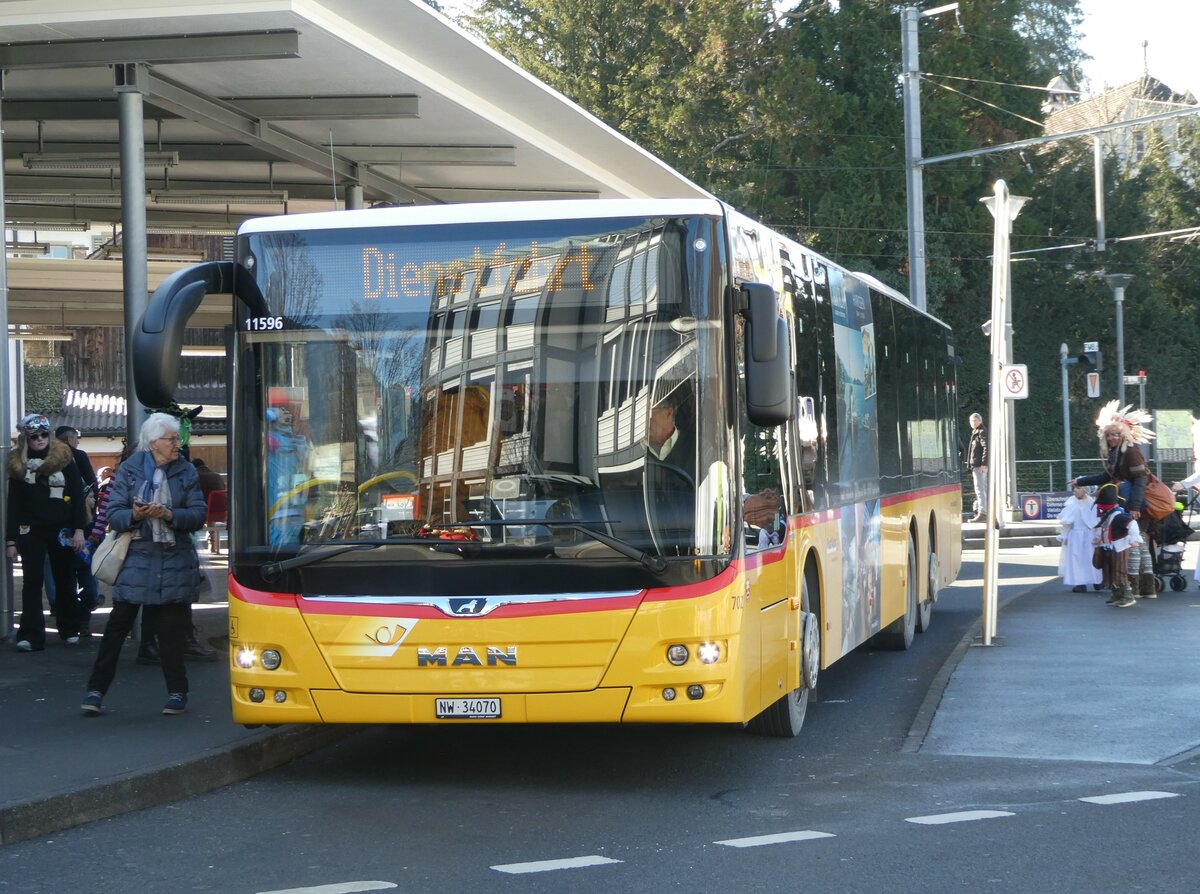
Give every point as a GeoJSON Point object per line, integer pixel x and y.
{"type": "Point", "coordinates": [157, 496]}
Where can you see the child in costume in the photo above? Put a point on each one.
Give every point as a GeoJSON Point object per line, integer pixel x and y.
{"type": "Point", "coordinates": [1116, 538]}
{"type": "Point", "coordinates": [1079, 520]}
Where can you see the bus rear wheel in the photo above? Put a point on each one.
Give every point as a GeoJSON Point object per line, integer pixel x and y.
{"type": "Point", "coordinates": [925, 609]}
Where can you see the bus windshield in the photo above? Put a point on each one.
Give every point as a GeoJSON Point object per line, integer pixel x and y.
{"type": "Point", "coordinates": [488, 390]}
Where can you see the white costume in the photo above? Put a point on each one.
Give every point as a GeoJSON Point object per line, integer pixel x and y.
{"type": "Point", "coordinates": [1079, 519]}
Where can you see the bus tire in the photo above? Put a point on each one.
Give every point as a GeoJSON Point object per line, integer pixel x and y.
{"type": "Point", "coordinates": [785, 718]}
{"type": "Point", "coordinates": [898, 635]}
{"type": "Point", "coordinates": [925, 609]}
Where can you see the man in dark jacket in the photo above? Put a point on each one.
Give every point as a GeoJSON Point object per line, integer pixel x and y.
{"type": "Point", "coordinates": [977, 460]}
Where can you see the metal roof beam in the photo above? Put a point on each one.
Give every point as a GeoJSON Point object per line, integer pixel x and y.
{"type": "Point", "coordinates": [187, 151]}
{"type": "Point", "coordinates": [256, 132]}
{"type": "Point", "coordinates": [481, 156]}
{"type": "Point", "coordinates": [16, 186]}
{"type": "Point", "coordinates": [156, 215]}
{"type": "Point", "coordinates": [320, 108]}
{"type": "Point", "coordinates": [441, 155]}
{"type": "Point", "coordinates": [226, 47]}
{"type": "Point", "coordinates": [298, 108]}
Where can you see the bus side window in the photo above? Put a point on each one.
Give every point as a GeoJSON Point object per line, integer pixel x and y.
{"type": "Point", "coordinates": [764, 504]}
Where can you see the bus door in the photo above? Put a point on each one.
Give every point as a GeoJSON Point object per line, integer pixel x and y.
{"type": "Point", "coordinates": [771, 563]}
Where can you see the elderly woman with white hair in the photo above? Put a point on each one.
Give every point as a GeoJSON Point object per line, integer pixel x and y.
{"type": "Point", "coordinates": [157, 496]}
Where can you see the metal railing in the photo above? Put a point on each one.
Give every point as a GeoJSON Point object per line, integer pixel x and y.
{"type": "Point", "coordinates": [1050, 475]}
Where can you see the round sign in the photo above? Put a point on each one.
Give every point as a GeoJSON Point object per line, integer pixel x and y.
{"type": "Point", "coordinates": [1014, 381]}
{"type": "Point", "coordinates": [1032, 507]}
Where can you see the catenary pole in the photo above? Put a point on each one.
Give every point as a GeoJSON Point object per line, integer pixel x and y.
{"type": "Point", "coordinates": [911, 89]}
{"type": "Point", "coordinates": [1119, 282]}
{"type": "Point", "coordinates": [1004, 209]}
{"type": "Point", "coordinates": [1062, 351]}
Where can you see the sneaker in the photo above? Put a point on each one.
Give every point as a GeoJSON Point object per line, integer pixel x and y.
{"type": "Point", "coordinates": [1125, 602]}
{"type": "Point", "coordinates": [1112, 599]}
{"type": "Point", "coordinates": [72, 640]}
{"type": "Point", "coordinates": [1149, 595]}
{"type": "Point", "coordinates": [91, 703]}
{"type": "Point", "coordinates": [176, 703]}
{"type": "Point", "coordinates": [1080, 588]}
{"type": "Point", "coordinates": [24, 645]}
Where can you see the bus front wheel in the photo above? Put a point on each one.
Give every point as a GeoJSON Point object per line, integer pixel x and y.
{"type": "Point", "coordinates": [785, 718]}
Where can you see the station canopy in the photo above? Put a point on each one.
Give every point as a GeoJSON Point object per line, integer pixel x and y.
{"type": "Point", "coordinates": [254, 107]}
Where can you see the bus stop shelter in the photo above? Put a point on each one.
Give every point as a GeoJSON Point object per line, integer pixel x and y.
{"type": "Point", "coordinates": [155, 117]}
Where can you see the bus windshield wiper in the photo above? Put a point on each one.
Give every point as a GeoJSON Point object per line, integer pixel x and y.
{"type": "Point", "coordinates": [272, 570]}
{"type": "Point", "coordinates": [657, 564]}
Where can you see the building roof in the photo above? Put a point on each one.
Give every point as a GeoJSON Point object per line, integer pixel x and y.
{"type": "Point", "coordinates": [99, 415]}
{"type": "Point", "coordinates": [1145, 96]}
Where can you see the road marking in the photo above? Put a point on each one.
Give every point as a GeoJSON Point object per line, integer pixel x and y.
{"type": "Point", "coordinates": [339, 888]}
{"type": "Point", "coordinates": [963, 816]}
{"type": "Point", "coordinates": [778, 838]}
{"type": "Point", "coordinates": [1004, 581]}
{"type": "Point", "coordinates": [1129, 797]}
{"type": "Point", "coordinates": [551, 865]}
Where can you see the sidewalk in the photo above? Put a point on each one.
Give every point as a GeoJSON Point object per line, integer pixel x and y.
{"type": "Point", "coordinates": [59, 769]}
{"type": "Point", "coordinates": [1070, 679]}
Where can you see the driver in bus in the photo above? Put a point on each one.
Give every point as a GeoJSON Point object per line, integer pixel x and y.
{"type": "Point", "coordinates": [668, 443]}
{"type": "Point", "coordinates": [671, 470]}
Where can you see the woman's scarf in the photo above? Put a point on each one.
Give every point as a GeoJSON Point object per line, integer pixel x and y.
{"type": "Point", "coordinates": [56, 480]}
{"type": "Point", "coordinates": [156, 490]}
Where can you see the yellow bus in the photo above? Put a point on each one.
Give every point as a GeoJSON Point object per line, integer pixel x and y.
{"type": "Point", "coordinates": [639, 461]}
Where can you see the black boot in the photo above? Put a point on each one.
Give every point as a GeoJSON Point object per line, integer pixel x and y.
{"type": "Point", "coordinates": [194, 649]}
{"type": "Point", "coordinates": [148, 653]}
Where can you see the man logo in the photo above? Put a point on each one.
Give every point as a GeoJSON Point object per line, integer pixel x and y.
{"type": "Point", "coordinates": [466, 656]}
{"type": "Point", "coordinates": [467, 606]}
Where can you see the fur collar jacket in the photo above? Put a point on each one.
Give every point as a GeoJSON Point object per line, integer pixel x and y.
{"type": "Point", "coordinates": [57, 458]}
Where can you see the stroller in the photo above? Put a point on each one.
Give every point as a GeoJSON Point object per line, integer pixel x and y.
{"type": "Point", "coordinates": [1168, 562]}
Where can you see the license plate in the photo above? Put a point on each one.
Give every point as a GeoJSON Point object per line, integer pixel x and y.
{"type": "Point", "coordinates": [467, 708]}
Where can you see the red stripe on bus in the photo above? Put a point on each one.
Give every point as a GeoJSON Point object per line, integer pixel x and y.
{"type": "Point", "coordinates": [919, 494]}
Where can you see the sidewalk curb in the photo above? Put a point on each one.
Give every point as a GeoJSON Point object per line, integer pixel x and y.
{"type": "Point", "coordinates": [164, 784]}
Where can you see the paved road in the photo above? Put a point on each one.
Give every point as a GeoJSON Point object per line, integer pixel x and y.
{"type": "Point", "coordinates": [853, 805]}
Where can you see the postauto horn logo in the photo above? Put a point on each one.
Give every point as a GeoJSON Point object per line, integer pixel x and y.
{"type": "Point", "coordinates": [384, 637]}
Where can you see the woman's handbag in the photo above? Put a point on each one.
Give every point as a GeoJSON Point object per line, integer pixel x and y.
{"type": "Point", "coordinates": [109, 556]}
{"type": "Point", "coordinates": [1160, 501]}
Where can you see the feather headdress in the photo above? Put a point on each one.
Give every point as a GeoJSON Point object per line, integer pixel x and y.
{"type": "Point", "coordinates": [1128, 421]}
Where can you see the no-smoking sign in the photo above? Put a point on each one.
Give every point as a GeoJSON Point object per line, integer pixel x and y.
{"type": "Point", "coordinates": [1014, 381]}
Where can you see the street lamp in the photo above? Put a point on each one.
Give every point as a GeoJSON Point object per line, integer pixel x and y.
{"type": "Point", "coordinates": [1118, 282]}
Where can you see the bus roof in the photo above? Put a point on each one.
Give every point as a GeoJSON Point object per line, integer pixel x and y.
{"type": "Point", "coordinates": [484, 212]}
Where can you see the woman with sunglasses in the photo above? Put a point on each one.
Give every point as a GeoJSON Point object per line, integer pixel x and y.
{"type": "Point", "coordinates": [157, 496]}
{"type": "Point", "coordinates": [45, 496]}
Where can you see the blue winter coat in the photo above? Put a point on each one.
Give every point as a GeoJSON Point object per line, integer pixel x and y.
{"type": "Point", "coordinates": [152, 573]}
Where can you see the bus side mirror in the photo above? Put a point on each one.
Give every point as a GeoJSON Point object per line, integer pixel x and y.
{"type": "Point", "coordinates": [768, 360]}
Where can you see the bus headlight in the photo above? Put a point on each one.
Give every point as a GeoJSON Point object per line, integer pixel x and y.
{"type": "Point", "coordinates": [257, 695]}
{"type": "Point", "coordinates": [245, 659]}
{"type": "Point", "coordinates": [677, 654]}
{"type": "Point", "coordinates": [271, 659]}
{"type": "Point", "coordinates": [708, 653]}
